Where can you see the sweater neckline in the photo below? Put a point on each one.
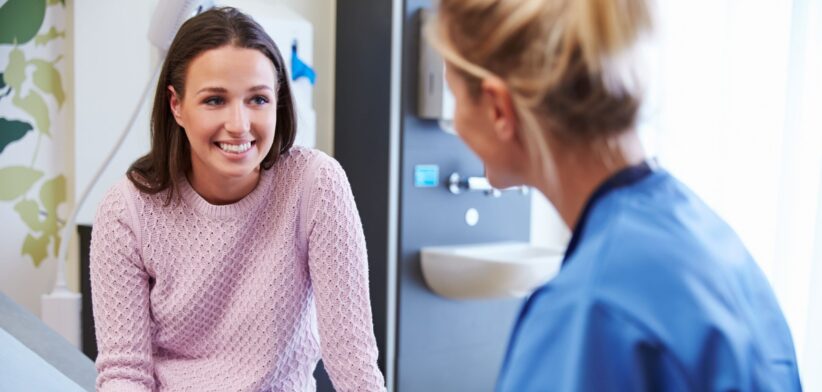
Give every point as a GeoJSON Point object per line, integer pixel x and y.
{"type": "Point", "coordinates": [241, 207]}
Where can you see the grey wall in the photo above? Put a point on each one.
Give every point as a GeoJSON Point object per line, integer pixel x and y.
{"type": "Point", "coordinates": [446, 345]}
{"type": "Point", "coordinates": [361, 143]}
{"type": "Point", "coordinates": [441, 345]}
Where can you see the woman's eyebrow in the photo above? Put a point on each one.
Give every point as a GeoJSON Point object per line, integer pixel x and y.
{"type": "Point", "coordinates": [261, 87]}
{"type": "Point", "coordinates": [222, 90]}
{"type": "Point", "coordinates": [212, 90]}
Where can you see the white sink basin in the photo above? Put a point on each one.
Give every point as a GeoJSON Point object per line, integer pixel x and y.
{"type": "Point", "coordinates": [491, 270]}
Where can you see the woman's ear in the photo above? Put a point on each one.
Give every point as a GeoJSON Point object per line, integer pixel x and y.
{"type": "Point", "coordinates": [175, 103]}
{"type": "Point", "coordinates": [501, 111]}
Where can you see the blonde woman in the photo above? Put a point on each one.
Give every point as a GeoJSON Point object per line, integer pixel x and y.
{"type": "Point", "coordinates": [656, 292]}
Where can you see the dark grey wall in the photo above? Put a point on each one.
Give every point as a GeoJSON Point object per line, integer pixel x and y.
{"type": "Point", "coordinates": [442, 345]}
{"type": "Point", "coordinates": [361, 123]}
{"type": "Point", "coordinates": [446, 345]}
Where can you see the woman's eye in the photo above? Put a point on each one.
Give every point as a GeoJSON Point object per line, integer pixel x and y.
{"type": "Point", "coordinates": [259, 100]}
{"type": "Point", "coordinates": [213, 101]}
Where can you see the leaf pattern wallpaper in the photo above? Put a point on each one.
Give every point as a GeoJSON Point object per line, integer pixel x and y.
{"type": "Point", "coordinates": [33, 127]}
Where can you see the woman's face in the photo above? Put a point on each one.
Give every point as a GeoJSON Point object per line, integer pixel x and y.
{"type": "Point", "coordinates": [488, 129]}
{"type": "Point", "coordinates": [228, 111]}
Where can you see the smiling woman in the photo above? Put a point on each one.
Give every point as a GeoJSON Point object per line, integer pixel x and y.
{"type": "Point", "coordinates": [228, 259]}
{"type": "Point", "coordinates": [230, 108]}
{"type": "Point", "coordinates": [225, 69]}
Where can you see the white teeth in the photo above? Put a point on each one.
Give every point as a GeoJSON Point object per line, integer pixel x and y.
{"type": "Point", "coordinates": [235, 148]}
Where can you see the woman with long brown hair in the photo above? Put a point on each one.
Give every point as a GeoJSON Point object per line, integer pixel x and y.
{"type": "Point", "coordinates": [230, 260]}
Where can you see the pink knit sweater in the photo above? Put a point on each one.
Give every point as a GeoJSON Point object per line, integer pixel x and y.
{"type": "Point", "coordinates": [241, 297]}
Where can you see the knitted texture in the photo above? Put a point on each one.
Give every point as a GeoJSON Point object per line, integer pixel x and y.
{"type": "Point", "coordinates": [242, 297]}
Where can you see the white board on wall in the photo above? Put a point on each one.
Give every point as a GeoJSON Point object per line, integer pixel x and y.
{"type": "Point", "coordinates": [113, 60]}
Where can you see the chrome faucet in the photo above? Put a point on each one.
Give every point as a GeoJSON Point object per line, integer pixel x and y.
{"type": "Point", "coordinates": [458, 184]}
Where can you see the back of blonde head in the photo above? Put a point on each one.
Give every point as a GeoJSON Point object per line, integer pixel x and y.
{"type": "Point", "coordinates": [569, 64]}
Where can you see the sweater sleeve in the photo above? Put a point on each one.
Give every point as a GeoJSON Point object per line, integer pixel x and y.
{"type": "Point", "coordinates": [120, 298]}
{"type": "Point", "coordinates": [338, 265]}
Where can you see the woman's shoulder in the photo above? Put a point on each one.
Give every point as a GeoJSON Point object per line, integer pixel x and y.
{"type": "Point", "coordinates": [119, 192]}
{"type": "Point", "coordinates": [125, 194]}
{"type": "Point", "coordinates": [306, 163]}
{"type": "Point", "coordinates": [303, 155]}
{"type": "Point", "coordinates": [117, 202]}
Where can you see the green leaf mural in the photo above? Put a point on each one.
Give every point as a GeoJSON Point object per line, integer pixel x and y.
{"type": "Point", "coordinates": [15, 73]}
{"type": "Point", "coordinates": [43, 221]}
{"type": "Point", "coordinates": [16, 181]}
{"type": "Point", "coordinates": [12, 131]}
{"type": "Point", "coordinates": [52, 194]}
{"type": "Point", "coordinates": [36, 247]}
{"type": "Point", "coordinates": [28, 83]}
{"type": "Point", "coordinates": [49, 36]}
{"type": "Point", "coordinates": [4, 89]}
{"type": "Point", "coordinates": [35, 106]}
{"type": "Point", "coordinates": [20, 20]}
{"type": "Point", "coordinates": [29, 211]}
{"type": "Point", "coordinates": [47, 78]}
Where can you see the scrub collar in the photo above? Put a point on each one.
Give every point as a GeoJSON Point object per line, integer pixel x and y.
{"type": "Point", "coordinates": [625, 177]}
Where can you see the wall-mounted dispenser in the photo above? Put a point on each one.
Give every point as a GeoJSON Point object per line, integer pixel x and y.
{"type": "Point", "coordinates": [434, 99]}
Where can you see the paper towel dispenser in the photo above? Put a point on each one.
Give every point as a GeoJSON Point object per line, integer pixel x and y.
{"type": "Point", "coordinates": [434, 100]}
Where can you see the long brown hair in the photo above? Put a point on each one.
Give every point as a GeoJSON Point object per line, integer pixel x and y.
{"type": "Point", "coordinates": [170, 155]}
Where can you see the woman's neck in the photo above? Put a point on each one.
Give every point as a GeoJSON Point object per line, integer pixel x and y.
{"type": "Point", "coordinates": [219, 190]}
{"type": "Point", "coordinates": [581, 169]}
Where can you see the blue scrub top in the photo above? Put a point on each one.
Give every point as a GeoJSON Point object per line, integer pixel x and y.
{"type": "Point", "coordinates": [656, 293]}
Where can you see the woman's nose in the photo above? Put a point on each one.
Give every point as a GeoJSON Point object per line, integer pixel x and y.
{"type": "Point", "coordinates": [238, 119]}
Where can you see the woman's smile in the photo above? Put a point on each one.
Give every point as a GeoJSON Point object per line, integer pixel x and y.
{"type": "Point", "coordinates": [236, 150]}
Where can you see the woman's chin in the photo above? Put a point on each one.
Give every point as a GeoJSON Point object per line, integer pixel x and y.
{"type": "Point", "coordinates": [236, 166]}
{"type": "Point", "coordinates": [237, 171]}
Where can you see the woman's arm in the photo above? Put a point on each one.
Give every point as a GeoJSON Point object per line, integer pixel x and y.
{"type": "Point", "coordinates": [338, 265]}
{"type": "Point", "coordinates": [120, 297]}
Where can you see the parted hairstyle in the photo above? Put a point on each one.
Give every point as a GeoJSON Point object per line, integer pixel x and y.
{"type": "Point", "coordinates": [170, 157]}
